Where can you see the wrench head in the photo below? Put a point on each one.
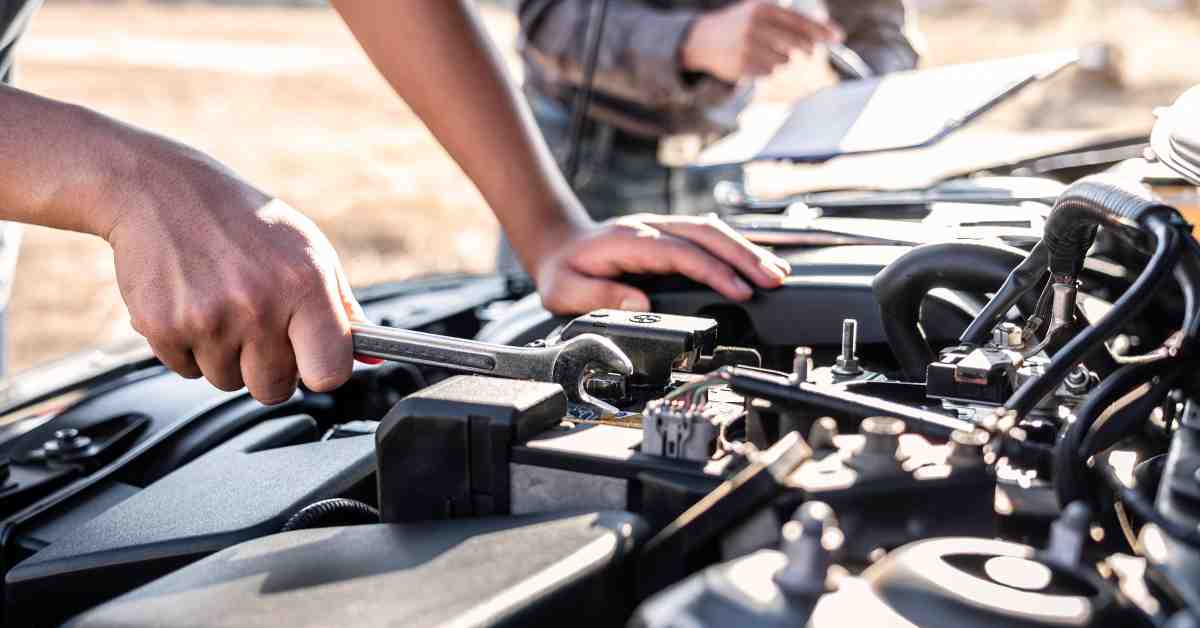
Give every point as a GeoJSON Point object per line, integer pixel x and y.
{"type": "Point", "coordinates": [582, 355]}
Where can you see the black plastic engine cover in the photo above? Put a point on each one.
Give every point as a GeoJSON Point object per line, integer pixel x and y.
{"type": "Point", "coordinates": [443, 451]}
{"type": "Point", "coordinates": [655, 343]}
{"type": "Point", "coordinates": [511, 571]}
{"type": "Point", "coordinates": [241, 490]}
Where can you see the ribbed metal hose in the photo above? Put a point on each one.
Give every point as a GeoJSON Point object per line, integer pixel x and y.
{"type": "Point", "coordinates": [327, 513]}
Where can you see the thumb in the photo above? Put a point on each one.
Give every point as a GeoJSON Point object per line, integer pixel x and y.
{"type": "Point", "coordinates": [354, 311]}
{"type": "Point", "coordinates": [578, 294]}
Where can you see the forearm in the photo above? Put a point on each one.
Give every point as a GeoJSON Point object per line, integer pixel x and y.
{"type": "Point", "coordinates": [437, 58]}
{"type": "Point", "coordinates": [66, 167]}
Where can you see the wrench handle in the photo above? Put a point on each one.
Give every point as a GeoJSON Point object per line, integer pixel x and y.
{"type": "Point", "coordinates": [402, 345]}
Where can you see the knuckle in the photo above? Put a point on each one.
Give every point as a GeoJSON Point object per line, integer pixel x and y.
{"type": "Point", "coordinates": [253, 306]}
{"type": "Point", "coordinates": [724, 274]}
{"type": "Point", "coordinates": [303, 280]}
{"type": "Point", "coordinates": [201, 318]}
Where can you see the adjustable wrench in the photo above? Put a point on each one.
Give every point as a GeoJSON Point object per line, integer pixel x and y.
{"type": "Point", "coordinates": [568, 363]}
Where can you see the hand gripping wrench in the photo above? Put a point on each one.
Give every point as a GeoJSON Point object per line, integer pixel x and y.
{"type": "Point", "coordinates": [570, 363]}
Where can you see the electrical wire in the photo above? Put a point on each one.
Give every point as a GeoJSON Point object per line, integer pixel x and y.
{"type": "Point", "coordinates": [1127, 527]}
{"type": "Point", "coordinates": [1168, 250]}
{"type": "Point", "coordinates": [1022, 279]}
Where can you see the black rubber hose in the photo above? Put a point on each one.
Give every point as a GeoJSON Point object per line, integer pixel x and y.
{"type": "Point", "coordinates": [1107, 433]}
{"type": "Point", "coordinates": [900, 288]}
{"type": "Point", "coordinates": [1187, 274]}
{"type": "Point", "coordinates": [1143, 507]}
{"type": "Point", "coordinates": [1026, 276]}
{"type": "Point", "coordinates": [331, 512]}
{"type": "Point", "coordinates": [1069, 475]}
{"type": "Point", "coordinates": [1168, 250]}
{"type": "Point", "coordinates": [1120, 203]}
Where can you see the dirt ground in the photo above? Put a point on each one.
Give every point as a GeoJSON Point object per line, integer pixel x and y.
{"type": "Point", "coordinates": [285, 97]}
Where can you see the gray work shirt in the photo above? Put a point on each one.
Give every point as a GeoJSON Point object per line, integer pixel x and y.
{"type": "Point", "coordinates": [639, 84]}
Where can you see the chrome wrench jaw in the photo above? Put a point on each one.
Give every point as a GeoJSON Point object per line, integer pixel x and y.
{"type": "Point", "coordinates": [579, 359]}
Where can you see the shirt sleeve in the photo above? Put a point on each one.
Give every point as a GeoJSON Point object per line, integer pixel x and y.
{"type": "Point", "coordinates": [638, 59]}
{"type": "Point", "coordinates": [882, 32]}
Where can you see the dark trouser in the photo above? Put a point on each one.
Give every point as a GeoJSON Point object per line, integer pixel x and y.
{"type": "Point", "coordinates": [620, 174]}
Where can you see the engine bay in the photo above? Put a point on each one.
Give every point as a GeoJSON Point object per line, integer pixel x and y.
{"type": "Point", "coordinates": [978, 410]}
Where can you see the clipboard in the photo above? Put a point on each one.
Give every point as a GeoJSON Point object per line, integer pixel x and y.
{"type": "Point", "coordinates": [900, 111]}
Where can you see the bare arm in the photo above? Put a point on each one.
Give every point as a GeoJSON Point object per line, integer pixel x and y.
{"type": "Point", "coordinates": [222, 279]}
{"type": "Point", "coordinates": [436, 56]}
{"type": "Point", "coordinates": [58, 158]}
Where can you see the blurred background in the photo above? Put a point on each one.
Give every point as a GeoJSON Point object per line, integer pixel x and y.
{"type": "Point", "coordinates": [284, 96]}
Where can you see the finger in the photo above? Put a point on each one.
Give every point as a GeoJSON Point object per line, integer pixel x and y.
{"type": "Point", "coordinates": [766, 57]}
{"type": "Point", "coordinates": [320, 335]}
{"type": "Point", "coordinates": [346, 294]}
{"type": "Point", "coordinates": [755, 68]}
{"type": "Point", "coordinates": [573, 293]}
{"type": "Point", "coordinates": [221, 364]}
{"type": "Point", "coordinates": [353, 310]}
{"type": "Point", "coordinates": [784, 40]}
{"type": "Point", "coordinates": [178, 358]}
{"type": "Point", "coordinates": [763, 267]}
{"type": "Point", "coordinates": [269, 369]}
{"type": "Point", "coordinates": [802, 26]}
{"type": "Point", "coordinates": [669, 254]}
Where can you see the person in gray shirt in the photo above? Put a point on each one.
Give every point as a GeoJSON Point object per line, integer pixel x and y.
{"type": "Point", "coordinates": [663, 67]}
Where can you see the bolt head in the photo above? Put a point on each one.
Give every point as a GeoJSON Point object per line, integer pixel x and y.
{"type": "Point", "coordinates": [966, 447]}
{"type": "Point", "coordinates": [66, 442]}
{"type": "Point", "coordinates": [881, 435]}
{"type": "Point", "coordinates": [1077, 380]}
{"type": "Point", "coordinates": [822, 433]}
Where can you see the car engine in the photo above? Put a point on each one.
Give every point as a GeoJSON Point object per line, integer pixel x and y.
{"type": "Point", "coordinates": [972, 406]}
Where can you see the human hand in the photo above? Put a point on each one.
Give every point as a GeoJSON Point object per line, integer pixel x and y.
{"type": "Point", "coordinates": [578, 276]}
{"type": "Point", "coordinates": [751, 38]}
{"type": "Point", "coordinates": [228, 283]}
